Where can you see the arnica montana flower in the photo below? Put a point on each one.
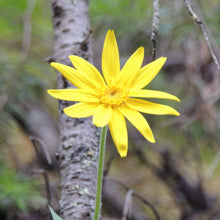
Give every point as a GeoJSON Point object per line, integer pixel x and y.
{"type": "Point", "coordinates": [116, 95]}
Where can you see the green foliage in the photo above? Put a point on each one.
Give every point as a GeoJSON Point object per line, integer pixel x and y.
{"type": "Point", "coordinates": [128, 17]}
{"type": "Point", "coordinates": [11, 25]}
{"type": "Point", "coordinates": [127, 14]}
{"type": "Point", "coordinates": [17, 191]}
{"type": "Point", "coordinates": [54, 215]}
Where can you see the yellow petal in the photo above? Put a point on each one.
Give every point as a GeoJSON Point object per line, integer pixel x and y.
{"type": "Point", "coordinates": [102, 115]}
{"type": "Point", "coordinates": [88, 70]}
{"type": "Point", "coordinates": [74, 76]}
{"type": "Point", "coordinates": [81, 110]}
{"type": "Point", "coordinates": [150, 107]}
{"type": "Point", "coordinates": [110, 57]}
{"type": "Point", "coordinates": [152, 94]}
{"type": "Point", "coordinates": [118, 129]}
{"type": "Point", "coordinates": [148, 72]}
{"type": "Point", "coordinates": [77, 95]}
{"type": "Point", "coordinates": [131, 67]}
{"type": "Point", "coordinates": [138, 121]}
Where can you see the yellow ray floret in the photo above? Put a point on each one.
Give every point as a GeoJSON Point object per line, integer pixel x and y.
{"type": "Point", "coordinates": [131, 67]}
{"type": "Point", "coordinates": [118, 130]}
{"type": "Point", "coordinates": [77, 95]}
{"type": "Point", "coordinates": [116, 95]}
{"type": "Point", "coordinates": [81, 110]}
{"type": "Point", "coordinates": [110, 57]}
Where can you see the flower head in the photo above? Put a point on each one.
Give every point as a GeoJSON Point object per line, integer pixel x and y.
{"type": "Point", "coordinates": [114, 96]}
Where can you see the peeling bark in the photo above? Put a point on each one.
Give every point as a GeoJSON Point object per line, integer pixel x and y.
{"type": "Point", "coordinates": [79, 138]}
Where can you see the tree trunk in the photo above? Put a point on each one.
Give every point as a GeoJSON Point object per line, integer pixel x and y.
{"type": "Point", "coordinates": [79, 138]}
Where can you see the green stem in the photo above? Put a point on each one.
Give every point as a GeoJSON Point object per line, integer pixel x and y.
{"type": "Point", "coordinates": [100, 172]}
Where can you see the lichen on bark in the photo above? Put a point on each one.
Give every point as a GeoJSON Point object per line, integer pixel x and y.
{"type": "Point", "coordinates": [79, 138]}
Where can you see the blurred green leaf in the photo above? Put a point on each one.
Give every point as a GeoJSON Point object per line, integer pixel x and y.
{"type": "Point", "coordinates": [17, 190]}
{"type": "Point", "coordinates": [55, 216]}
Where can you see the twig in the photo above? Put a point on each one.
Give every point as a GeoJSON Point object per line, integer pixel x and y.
{"type": "Point", "coordinates": [36, 141]}
{"type": "Point", "coordinates": [43, 148]}
{"type": "Point", "coordinates": [127, 205]}
{"type": "Point", "coordinates": [137, 195]}
{"type": "Point", "coordinates": [204, 31]}
{"type": "Point", "coordinates": [155, 27]}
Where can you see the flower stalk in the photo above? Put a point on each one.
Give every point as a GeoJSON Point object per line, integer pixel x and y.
{"type": "Point", "coordinates": [100, 172]}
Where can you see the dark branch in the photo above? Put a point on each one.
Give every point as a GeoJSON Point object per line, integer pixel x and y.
{"type": "Point", "coordinates": [36, 143]}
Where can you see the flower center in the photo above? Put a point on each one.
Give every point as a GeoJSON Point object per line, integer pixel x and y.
{"type": "Point", "coordinates": [113, 95]}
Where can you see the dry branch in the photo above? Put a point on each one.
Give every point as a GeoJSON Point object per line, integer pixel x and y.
{"type": "Point", "coordinates": [137, 195]}
{"type": "Point", "coordinates": [38, 143]}
{"type": "Point", "coordinates": [127, 205]}
{"type": "Point", "coordinates": [155, 27]}
{"type": "Point", "coordinates": [204, 30]}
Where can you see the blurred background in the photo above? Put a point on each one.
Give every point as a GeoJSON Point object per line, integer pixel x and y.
{"type": "Point", "coordinates": [179, 175]}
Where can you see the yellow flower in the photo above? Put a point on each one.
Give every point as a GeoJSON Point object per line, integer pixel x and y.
{"type": "Point", "coordinates": [114, 97]}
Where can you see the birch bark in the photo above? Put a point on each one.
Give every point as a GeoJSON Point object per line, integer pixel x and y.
{"type": "Point", "coordinates": [79, 138]}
